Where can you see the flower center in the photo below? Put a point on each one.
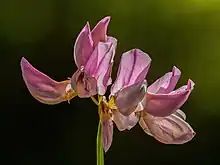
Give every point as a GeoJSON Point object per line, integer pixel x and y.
{"type": "Point", "coordinates": [70, 93]}
{"type": "Point", "coordinates": [106, 108]}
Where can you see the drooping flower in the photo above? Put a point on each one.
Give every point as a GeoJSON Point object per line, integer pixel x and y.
{"type": "Point", "coordinates": [43, 88]}
{"type": "Point", "coordinates": [161, 116]}
{"type": "Point", "coordinates": [93, 54]}
{"type": "Point", "coordinates": [126, 94]}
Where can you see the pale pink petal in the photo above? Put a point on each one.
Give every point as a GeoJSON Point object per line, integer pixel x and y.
{"type": "Point", "coordinates": [42, 87]}
{"type": "Point", "coordinates": [124, 122]}
{"type": "Point", "coordinates": [107, 134]}
{"type": "Point", "coordinates": [100, 30]}
{"type": "Point", "coordinates": [165, 104]}
{"type": "Point", "coordinates": [168, 130]}
{"type": "Point", "coordinates": [83, 47]}
{"type": "Point", "coordinates": [100, 63]}
{"type": "Point", "coordinates": [167, 83]}
{"type": "Point", "coordinates": [133, 68]}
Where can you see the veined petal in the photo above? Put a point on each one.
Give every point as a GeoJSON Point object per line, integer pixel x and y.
{"type": "Point", "coordinates": [107, 134]}
{"type": "Point", "coordinates": [167, 83]}
{"type": "Point", "coordinates": [128, 98]}
{"type": "Point", "coordinates": [100, 63]}
{"type": "Point", "coordinates": [168, 130]}
{"type": "Point", "coordinates": [124, 122]}
{"type": "Point", "coordinates": [133, 68]}
{"type": "Point", "coordinates": [84, 85]}
{"type": "Point", "coordinates": [83, 47]}
{"type": "Point", "coordinates": [162, 105]}
{"type": "Point", "coordinates": [42, 87]}
{"type": "Point", "coordinates": [100, 30]}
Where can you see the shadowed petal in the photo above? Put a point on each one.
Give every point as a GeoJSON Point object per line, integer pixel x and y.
{"type": "Point", "coordinates": [42, 87]}
{"type": "Point", "coordinates": [107, 134]}
{"type": "Point", "coordinates": [83, 47]}
{"type": "Point", "coordinates": [165, 104]}
{"type": "Point", "coordinates": [133, 68]}
{"type": "Point", "coordinates": [167, 83]}
{"type": "Point", "coordinates": [168, 130]}
{"type": "Point", "coordinates": [128, 98]}
{"type": "Point", "coordinates": [124, 122]}
{"type": "Point", "coordinates": [85, 86]}
{"type": "Point", "coordinates": [100, 30]}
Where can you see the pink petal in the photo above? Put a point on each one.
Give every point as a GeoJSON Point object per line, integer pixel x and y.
{"type": "Point", "coordinates": [107, 134]}
{"type": "Point", "coordinates": [167, 83]}
{"type": "Point", "coordinates": [83, 47]}
{"type": "Point", "coordinates": [100, 63]}
{"type": "Point", "coordinates": [100, 30]}
{"type": "Point", "coordinates": [42, 87]}
{"type": "Point", "coordinates": [124, 122]}
{"type": "Point", "coordinates": [133, 68]}
{"type": "Point", "coordinates": [85, 86]}
{"type": "Point", "coordinates": [165, 104]}
{"type": "Point", "coordinates": [128, 98]}
{"type": "Point", "coordinates": [168, 130]}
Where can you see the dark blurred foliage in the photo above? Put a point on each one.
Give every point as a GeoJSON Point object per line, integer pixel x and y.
{"type": "Point", "coordinates": [182, 33]}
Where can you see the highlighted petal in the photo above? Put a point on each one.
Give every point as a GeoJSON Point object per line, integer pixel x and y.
{"type": "Point", "coordinates": [133, 69]}
{"type": "Point", "coordinates": [83, 47]}
{"type": "Point", "coordinates": [42, 87]}
{"type": "Point", "coordinates": [100, 30]}
{"type": "Point", "coordinates": [167, 83]}
{"type": "Point", "coordinates": [124, 122]}
{"type": "Point", "coordinates": [162, 105]}
{"type": "Point", "coordinates": [168, 130]}
{"type": "Point", "coordinates": [107, 134]}
{"type": "Point", "coordinates": [100, 64]}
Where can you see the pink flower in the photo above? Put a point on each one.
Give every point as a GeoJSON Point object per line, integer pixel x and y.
{"type": "Point", "coordinates": [126, 94]}
{"type": "Point", "coordinates": [93, 53]}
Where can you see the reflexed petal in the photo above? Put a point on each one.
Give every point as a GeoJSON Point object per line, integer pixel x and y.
{"type": "Point", "coordinates": [180, 114]}
{"type": "Point", "coordinates": [107, 134]}
{"type": "Point", "coordinates": [165, 104]}
{"type": "Point", "coordinates": [124, 122]}
{"type": "Point", "coordinates": [83, 47]}
{"type": "Point", "coordinates": [85, 86]}
{"type": "Point", "coordinates": [100, 63]}
{"type": "Point", "coordinates": [42, 87]}
{"type": "Point", "coordinates": [100, 30]}
{"type": "Point", "coordinates": [168, 130]}
{"type": "Point", "coordinates": [167, 83]}
{"type": "Point", "coordinates": [128, 98]}
{"type": "Point", "coordinates": [133, 68]}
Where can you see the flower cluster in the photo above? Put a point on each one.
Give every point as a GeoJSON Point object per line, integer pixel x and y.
{"type": "Point", "coordinates": [131, 100]}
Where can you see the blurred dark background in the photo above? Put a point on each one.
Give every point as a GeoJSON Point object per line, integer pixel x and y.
{"type": "Point", "coordinates": [182, 33]}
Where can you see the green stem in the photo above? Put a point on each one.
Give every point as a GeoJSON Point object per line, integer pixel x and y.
{"type": "Point", "coordinates": [99, 146]}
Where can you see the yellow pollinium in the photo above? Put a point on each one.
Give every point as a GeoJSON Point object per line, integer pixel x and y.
{"type": "Point", "coordinates": [106, 108]}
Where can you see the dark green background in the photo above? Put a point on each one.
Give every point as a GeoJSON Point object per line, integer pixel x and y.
{"type": "Point", "coordinates": [185, 33]}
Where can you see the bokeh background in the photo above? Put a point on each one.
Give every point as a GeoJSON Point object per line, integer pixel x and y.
{"type": "Point", "coordinates": [184, 33]}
